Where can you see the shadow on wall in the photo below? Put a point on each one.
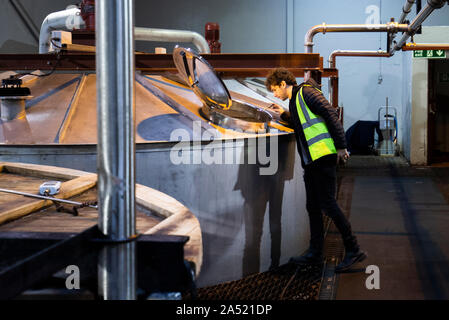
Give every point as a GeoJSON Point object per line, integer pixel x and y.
{"type": "Point", "coordinates": [16, 47]}
{"type": "Point", "coordinates": [269, 191]}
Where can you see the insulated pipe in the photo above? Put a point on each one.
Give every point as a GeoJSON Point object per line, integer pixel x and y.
{"type": "Point", "coordinates": [65, 20]}
{"type": "Point", "coordinates": [116, 147]}
{"type": "Point", "coordinates": [165, 35]}
{"type": "Point", "coordinates": [348, 53]}
{"type": "Point", "coordinates": [419, 19]}
{"type": "Point", "coordinates": [391, 27]}
{"type": "Point", "coordinates": [70, 18]}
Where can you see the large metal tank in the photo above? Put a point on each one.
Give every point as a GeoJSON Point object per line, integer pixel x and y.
{"type": "Point", "coordinates": [222, 153]}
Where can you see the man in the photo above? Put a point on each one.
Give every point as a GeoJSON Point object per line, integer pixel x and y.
{"type": "Point", "coordinates": [321, 143]}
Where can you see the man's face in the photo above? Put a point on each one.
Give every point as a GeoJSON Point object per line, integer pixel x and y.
{"type": "Point", "coordinates": [280, 91]}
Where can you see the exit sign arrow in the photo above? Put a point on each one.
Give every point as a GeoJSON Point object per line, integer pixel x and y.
{"type": "Point", "coordinates": [438, 54]}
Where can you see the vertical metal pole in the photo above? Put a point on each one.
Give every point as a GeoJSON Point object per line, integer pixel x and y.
{"type": "Point", "coordinates": [387, 119]}
{"type": "Point", "coordinates": [116, 146]}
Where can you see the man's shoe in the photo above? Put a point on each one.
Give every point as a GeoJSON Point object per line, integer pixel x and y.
{"type": "Point", "coordinates": [350, 259]}
{"type": "Point", "coordinates": [310, 257]}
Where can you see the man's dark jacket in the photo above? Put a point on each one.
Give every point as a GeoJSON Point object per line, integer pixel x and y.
{"type": "Point", "coordinates": [319, 105]}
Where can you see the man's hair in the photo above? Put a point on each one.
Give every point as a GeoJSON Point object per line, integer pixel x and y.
{"type": "Point", "coordinates": [276, 76]}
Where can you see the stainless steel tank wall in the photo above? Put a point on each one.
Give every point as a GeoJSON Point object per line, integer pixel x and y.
{"type": "Point", "coordinates": [249, 221]}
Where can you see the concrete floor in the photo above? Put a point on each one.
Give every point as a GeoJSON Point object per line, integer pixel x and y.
{"type": "Point", "coordinates": [400, 215]}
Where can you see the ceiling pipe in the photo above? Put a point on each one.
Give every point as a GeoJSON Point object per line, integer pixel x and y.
{"type": "Point", "coordinates": [391, 27]}
{"type": "Point", "coordinates": [166, 35]}
{"type": "Point", "coordinates": [65, 20]}
{"type": "Point", "coordinates": [69, 19]}
{"type": "Point", "coordinates": [333, 81]}
{"type": "Point", "coordinates": [355, 53]}
{"type": "Point", "coordinates": [425, 46]}
{"type": "Point", "coordinates": [416, 23]}
{"type": "Point", "coordinates": [406, 10]}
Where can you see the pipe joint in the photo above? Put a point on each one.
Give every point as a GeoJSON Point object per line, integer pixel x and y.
{"type": "Point", "coordinates": [324, 28]}
{"type": "Point", "coordinates": [436, 4]}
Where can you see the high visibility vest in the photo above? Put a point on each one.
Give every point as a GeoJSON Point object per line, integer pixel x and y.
{"type": "Point", "coordinates": [319, 141]}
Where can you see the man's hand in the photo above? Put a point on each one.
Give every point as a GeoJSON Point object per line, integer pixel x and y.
{"type": "Point", "coordinates": [276, 108]}
{"type": "Point", "coordinates": [276, 111]}
{"type": "Point", "coordinates": [342, 156]}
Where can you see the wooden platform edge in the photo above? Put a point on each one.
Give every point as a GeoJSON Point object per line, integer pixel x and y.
{"type": "Point", "coordinates": [179, 221]}
{"type": "Point", "coordinates": [42, 170]}
{"type": "Point", "coordinates": [68, 189]}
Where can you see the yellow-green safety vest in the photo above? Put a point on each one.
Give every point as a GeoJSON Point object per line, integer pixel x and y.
{"type": "Point", "coordinates": [317, 135]}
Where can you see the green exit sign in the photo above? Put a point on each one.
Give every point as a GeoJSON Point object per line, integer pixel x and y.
{"type": "Point", "coordinates": [429, 54]}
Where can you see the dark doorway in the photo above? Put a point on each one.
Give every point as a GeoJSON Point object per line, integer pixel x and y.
{"type": "Point", "coordinates": [438, 111]}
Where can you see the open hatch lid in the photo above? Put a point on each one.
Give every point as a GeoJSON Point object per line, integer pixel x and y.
{"type": "Point", "coordinates": [202, 78]}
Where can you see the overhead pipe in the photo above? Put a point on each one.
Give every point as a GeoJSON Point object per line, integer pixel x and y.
{"type": "Point", "coordinates": [116, 147]}
{"type": "Point", "coordinates": [406, 10]}
{"type": "Point", "coordinates": [333, 81]}
{"type": "Point", "coordinates": [355, 53]}
{"type": "Point", "coordinates": [391, 27]}
{"type": "Point", "coordinates": [425, 46]}
{"type": "Point", "coordinates": [65, 20]}
{"type": "Point", "coordinates": [416, 23]}
{"type": "Point", "coordinates": [166, 35]}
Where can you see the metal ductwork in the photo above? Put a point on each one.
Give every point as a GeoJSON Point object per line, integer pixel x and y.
{"type": "Point", "coordinates": [65, 20]}
{"type": "Point", "coordinates": [165, 35]}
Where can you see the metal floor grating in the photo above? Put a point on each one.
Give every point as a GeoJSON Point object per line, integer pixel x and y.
{"type": "Point", "coordinates": [287, 282]}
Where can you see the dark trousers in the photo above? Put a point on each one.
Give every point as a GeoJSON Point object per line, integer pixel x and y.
{"type": "Point", "coordinates": [320, 182]}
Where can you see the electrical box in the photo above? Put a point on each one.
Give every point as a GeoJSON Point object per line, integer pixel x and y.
{"type": "Point", "coordinates": [50, 188]}
{"type": "Point", "coordinates": [58, 38]}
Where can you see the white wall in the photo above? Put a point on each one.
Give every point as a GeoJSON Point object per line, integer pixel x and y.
{"type": "Point", "coordinates": [404, 122]}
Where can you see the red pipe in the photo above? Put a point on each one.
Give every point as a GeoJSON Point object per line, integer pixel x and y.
{"type": "Point", "coordinates": [212, 35]}
{"type": "Point", "coordinates": [88, 13]}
